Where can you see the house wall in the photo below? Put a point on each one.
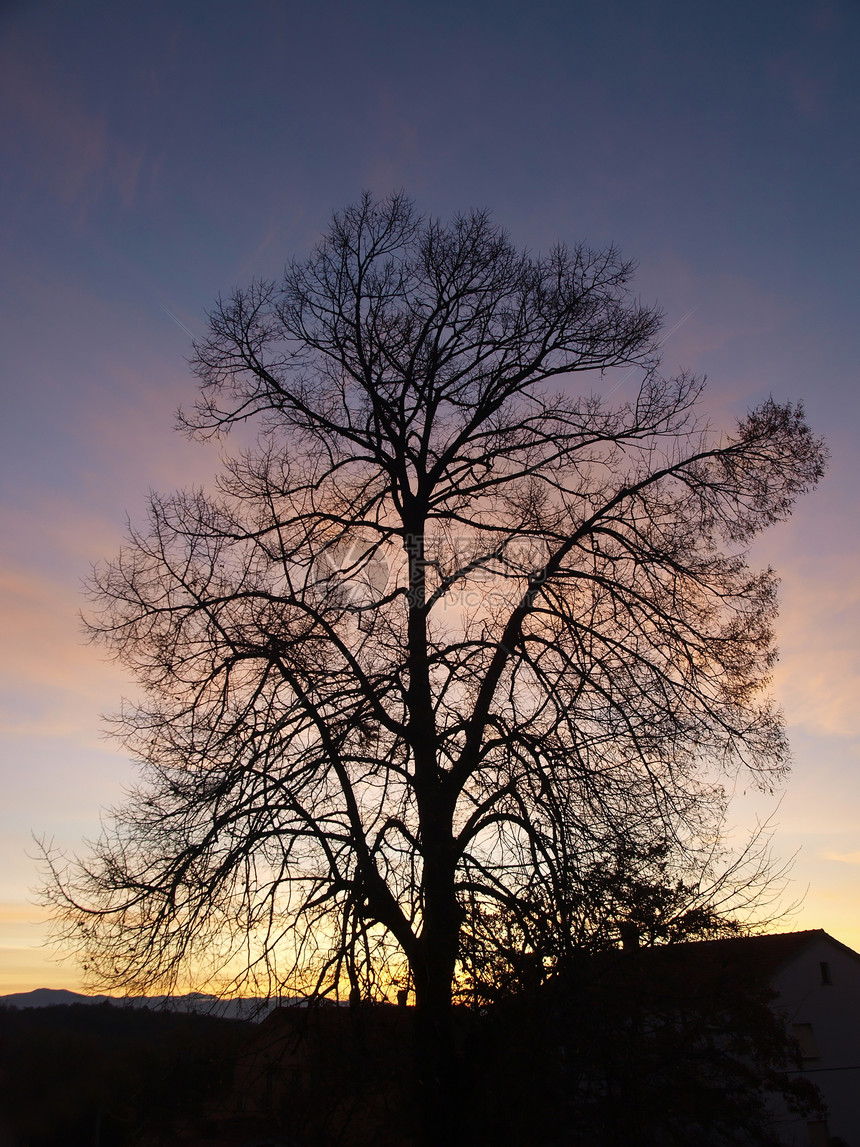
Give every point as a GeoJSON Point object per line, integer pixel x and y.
{"type": "Point", "coordinates": [826, 1020]}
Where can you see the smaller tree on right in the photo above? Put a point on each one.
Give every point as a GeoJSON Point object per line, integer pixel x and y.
{"type": "Point", "coordinates": [622, 884]}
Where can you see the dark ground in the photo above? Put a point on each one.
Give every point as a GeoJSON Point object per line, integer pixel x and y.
{"type": "Point", "coordinates": [625, 1055]}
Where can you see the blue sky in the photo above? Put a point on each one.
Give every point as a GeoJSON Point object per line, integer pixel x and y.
{"type": "Point", "coordinates": [154, 155]}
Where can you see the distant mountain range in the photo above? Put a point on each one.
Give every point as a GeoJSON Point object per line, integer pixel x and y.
{"type": "Point", "coordinates": [236, 1009]}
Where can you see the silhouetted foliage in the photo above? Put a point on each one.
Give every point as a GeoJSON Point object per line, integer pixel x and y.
{"type": "Point", "coordinates": [108, 1075]}
{"type": "Point", "coordinates": [445, 637]}
{"type": "Point", "coordinates": [331, 1075]}
{"type": "Point", "coordinates": [668, 1046]}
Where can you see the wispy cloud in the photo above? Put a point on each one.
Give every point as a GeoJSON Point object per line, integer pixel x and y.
{"type": "Point", "coordinates": [55, 140]}
{"type": "Point", "coordinates": [819, 637]}
{"type": "Point", "coordinates": [53, 684]}
{"type": "Point", "coordinates": [16, 913]}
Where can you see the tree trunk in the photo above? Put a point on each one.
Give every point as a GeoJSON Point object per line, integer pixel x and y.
{"type": "Point", "coordinates": [435, 1040]}
{"type": "Point", "coordinates": [433, 969]}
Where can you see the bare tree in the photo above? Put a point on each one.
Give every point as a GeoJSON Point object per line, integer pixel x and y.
{"type": "Point", "coordinates": [450, 602]}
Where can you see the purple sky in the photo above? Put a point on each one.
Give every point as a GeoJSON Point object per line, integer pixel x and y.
{"type": "Point", "coordinates": [155, 154]}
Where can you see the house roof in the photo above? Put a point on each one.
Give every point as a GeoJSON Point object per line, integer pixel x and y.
{"type": "Point", "coordinates": [698, 969]}
{"type": "Point", "coordinates": [765, 954]}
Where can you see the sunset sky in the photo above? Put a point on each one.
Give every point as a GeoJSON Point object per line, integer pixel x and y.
{"type": "Point", "coordinates": [155, 154]}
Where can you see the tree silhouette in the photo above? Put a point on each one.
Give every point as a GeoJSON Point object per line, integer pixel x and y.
{"type": "Point", "coordinates": [453, 621]}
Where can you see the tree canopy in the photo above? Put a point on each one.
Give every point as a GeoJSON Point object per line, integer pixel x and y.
{"type": "Point", "coordinates": [464, 618]}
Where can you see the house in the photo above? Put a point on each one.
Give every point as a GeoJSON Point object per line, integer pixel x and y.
{"type": "Point", "coordinates": [707, 1041]}
{"type": "Point", "coordinates": [816, 985]}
